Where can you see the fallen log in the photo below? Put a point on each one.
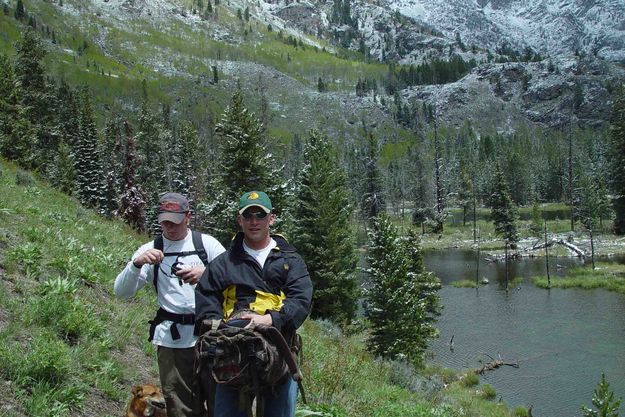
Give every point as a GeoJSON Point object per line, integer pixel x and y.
{"type": "Point", "coordinates": [562, 242]}
{"type": "Point", "coordinates": [494, 364]}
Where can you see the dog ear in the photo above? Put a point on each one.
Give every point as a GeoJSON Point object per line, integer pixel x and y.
{"type": "Point", "coordinates": [137, 390]}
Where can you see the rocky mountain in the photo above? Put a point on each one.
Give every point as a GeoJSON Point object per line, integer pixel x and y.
{"type": "Point", "coordinates": [546, 63]}
{"type": "Point", "coordinates": [579, 46]}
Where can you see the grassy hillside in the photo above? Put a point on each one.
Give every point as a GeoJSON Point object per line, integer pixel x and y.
{"type": "Point", "coordinates": [69, 348]}
{"type": "Point", "coordinates": [112, 51]}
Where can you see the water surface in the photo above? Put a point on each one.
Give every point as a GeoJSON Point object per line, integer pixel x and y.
{"type": "Point", "coordinates": [562, 339]}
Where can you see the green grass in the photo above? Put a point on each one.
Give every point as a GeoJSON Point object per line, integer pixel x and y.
{"type": "Point", "coordinates": [606, 275]}
{"type": "Point", "coordinates": [66, 343]}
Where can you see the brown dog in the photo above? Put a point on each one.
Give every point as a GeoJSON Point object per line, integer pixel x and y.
{"type": "Point", "coordinates": [147, 401]}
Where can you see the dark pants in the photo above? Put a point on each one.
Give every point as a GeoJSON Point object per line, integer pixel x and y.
{"type": "Point", "coordinates": [175, 367]}
{"type": "Point", "coordinates": [279, 402]}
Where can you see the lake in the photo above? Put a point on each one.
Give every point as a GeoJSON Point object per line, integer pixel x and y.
{"type": "Point", "coordinates": [562, 339]}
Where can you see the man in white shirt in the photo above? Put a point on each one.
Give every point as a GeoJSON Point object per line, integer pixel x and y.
{"type": "Point", "coordinates": [173, 263]}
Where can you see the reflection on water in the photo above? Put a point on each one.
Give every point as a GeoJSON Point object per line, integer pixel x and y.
{"type": "Point", "coordinates": [562, 339]}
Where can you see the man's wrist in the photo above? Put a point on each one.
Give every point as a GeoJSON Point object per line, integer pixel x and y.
{"type": "Point", "coordinates": [134, 263]}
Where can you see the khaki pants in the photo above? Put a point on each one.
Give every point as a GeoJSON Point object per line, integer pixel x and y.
{"type": "Point", "coordinates": [175, 367]}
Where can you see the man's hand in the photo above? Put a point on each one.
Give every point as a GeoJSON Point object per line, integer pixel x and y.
{"type": "Point", "coordinates": [256, 319]}
{"type": "Point", "coordinates": [151, 257]}
{"type": "Point", "coordinates": [191, 275]}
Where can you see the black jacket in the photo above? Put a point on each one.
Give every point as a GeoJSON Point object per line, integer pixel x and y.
{"type": "Point", "coordinates": [234, 281]}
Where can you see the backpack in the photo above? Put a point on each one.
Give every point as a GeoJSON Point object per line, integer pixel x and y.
{"type": "Point", "coordinates": [250, 360]}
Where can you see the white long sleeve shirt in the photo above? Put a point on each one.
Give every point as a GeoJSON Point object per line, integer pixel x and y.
{"type": "Point", "coordinates": [172, 296]}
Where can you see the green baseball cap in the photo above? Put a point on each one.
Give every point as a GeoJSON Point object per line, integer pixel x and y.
{"type": "Point", "coordinates": [255, 198]}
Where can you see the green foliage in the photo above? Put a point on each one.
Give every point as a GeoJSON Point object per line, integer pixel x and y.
{"type": "Point", "coordinates": [591, 201]}
{"type": "Point", "coordinates": [88, 163]}
{"type": "Point", "coordinates": [617, 160]}
{"type": "Point", "coordinates": [24, 178]}
{"type": "Point", "coordinates": [244, 165]}
{"type": "Point", "coordinates": [608, 276]}
{"type": "Point", "coordinates": [503, 211]}
{"type": "Point", "coordinates": [604, 401]}
{"type": "Point", "coordinates": [366, 177]}
{"type": "Point", "coordinates": [402, 302]}
{"type": "Point", "coordinates": [322, 231]}
{"type": "Point", "coordinates": [47, 359]}
{"type": "Point", "coordinates": [520, 411]}
{"type": "Point", "coordinates": [488, 392]}
{"type": "Point", "coordinates": [471, 379]}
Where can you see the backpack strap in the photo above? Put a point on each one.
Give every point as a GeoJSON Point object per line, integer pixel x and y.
{"type": "Point", "coordinates": [198, 247]}
{"type": "Point", "coordinates": [162, 315]}
{"type": "Point", "coordinates": [158, 244]}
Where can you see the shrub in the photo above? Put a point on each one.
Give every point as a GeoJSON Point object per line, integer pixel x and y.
{"type": "Point", "coordinates": [470, 380]}
{"type": "Point", "coordinates": [47, 360]}
{"type": "Point", "coordinates": [521, 411]}
{"type": "Point", "coordinates": [24, 179]}
{"type": "Point", "coordinates": [68, 317]}
{"type": "Point", "coordinates": [488, 392]}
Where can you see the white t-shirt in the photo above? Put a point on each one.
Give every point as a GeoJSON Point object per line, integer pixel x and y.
{"type": "Point", "coordinates": [172, 296]}
{"type": "Point", "coordinates": [260, 255]}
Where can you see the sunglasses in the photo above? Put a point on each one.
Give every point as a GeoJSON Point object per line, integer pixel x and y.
{"type": "Point", "coordinates": [258, 214]}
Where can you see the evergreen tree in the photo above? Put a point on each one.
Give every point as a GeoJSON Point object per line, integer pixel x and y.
{"type": "Point", "coordinates": [152, 169]}
{"type": "Point", "coordinates": [19, 13]}
{"type": "Point", "coordinates": [372, 203]}
{"type": "Point", "coordinates": [112, 166]}
{"type": "Point", "coordinates": [503, 211]}
{"type": "Point", "coordinates": [322, 231]}
{"type": "Point", "coordinates": [191, 164]}
{"type": "Point", "coordinates": [617, 161]}
{"type": "Point", "coordinates": [243, 164]}
{"type": "Point", "coordinates": [16, 134]}
{"type": "Point", "coordinates": [402, 301]}
{"type": "Point", "coordinates": [63, 173]}
{"type": "Point", "coordinates": [132, 201]}
{"type": "Point", "coordinates": [466, 194]}
{"type": "Point", "coordinates": [321, 86]}
{"type": "Point", "coordinates": [87, 158]}
{"type": "Point", "coordinates": [603, 399]}
{"type": "Point", "coordinates": [36, 98]}
{"type": "Point", "coordinates": [591, 201]}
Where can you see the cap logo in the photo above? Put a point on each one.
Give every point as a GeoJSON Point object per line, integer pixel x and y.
{"type": "Point", "coordinates": [171, 206]}
{"type": "Point", "coordinates": [253, 196]}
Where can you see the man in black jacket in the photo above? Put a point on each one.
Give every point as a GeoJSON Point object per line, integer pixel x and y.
{"type": "Point", "coordinates": [261, 278]}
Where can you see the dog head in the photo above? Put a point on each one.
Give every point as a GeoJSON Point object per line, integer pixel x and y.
{"type": "Point", "coordinates": [147, 401]}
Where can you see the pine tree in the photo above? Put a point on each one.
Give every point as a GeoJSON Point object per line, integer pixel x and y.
{"type": "Point", "coordinates": [63, 173]}
{"type": "Point", "coordinates": [372, 203]}
{"type": "Point", "coordinates": [503, 211]}
{"type": "Point", "coordinates": [617, 161]}
{"type": "Point", "coordinates": [591, 200]}
{"type": "Point", "coordinates": [16, 134]}
{"type": "Point", "coordinates": [112, 165]}
{"type": "Point", "coordinates": [19, 13]}
{"type": "Point", "coordinates": [603, 399]}
{"type": "Point", "coordinates": [402, 302]}
{"type": "Point", "coordinates": [36, 98]}
{"type": "Point", "coordinates": [322, 231]}
{"type": "Point", "coordinates": [152, 169]}
{"type": "Point", "coordinates": [243, 165]}
{"type": "Point", "coordinates": [132, 200]}
{"type": "Point", "coordinates": [191, 164]}
{"type": "Point", "coordinates": [87, 158]}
